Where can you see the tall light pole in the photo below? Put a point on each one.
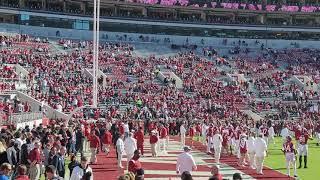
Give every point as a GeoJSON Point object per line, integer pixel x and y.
{"type": "Point", "coordinates": [96, 22]}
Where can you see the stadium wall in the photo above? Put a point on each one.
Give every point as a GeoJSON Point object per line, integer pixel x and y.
{"type": "Point", "coordinates": [178, 40]}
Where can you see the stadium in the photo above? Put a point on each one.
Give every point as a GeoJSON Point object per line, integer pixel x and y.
{"type": "Point", "coordinates": [159, 89]}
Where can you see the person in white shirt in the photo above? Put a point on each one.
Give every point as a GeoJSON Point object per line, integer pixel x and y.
{"type": "Point", "coordinates": [251, 150]}
{"type": "Point", "coordinates": [126, 129]}
{"type": "Point", "coordinates": [83, 171]}
{"type": "Point", "coordinates": [204, 133]}
{"type": "Point", "coordinates": [260, 147]}
{"type": "Point", "coordinates": [271, 135]}
{"type": "Point", "coordinates": [120, 150]}
{"type": "Point", "coordinates": [130, 145]}
{"type": "Point", "coordinates": [217, 145]}
{"type": "Point", "coordinates": [19, 141]}
{"type": "Point", "coordinates": [183, 134]}
{"type": "Point", "coordinates": [185, 161]}
{"type": "Point", "coordinates": [284, 133]}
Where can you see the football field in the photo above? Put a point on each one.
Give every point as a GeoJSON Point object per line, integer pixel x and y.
{"type": "Point", "coordinates": [276, 160]}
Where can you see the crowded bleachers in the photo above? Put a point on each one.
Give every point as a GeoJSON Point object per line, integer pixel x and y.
{"type": "Point", "coordinates": [215, 89]}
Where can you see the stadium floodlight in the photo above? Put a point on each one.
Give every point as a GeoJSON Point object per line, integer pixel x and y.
{"type": "Point", "coordinates": [96, 22]}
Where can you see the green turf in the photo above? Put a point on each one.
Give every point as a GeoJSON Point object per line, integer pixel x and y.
{"type": "Point", "coordinates": [276, 161]}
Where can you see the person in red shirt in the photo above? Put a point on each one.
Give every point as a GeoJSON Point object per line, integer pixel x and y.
{"type": "Point", "coordinates": [303, 147]}
{"type": "Point", "coordinates": [153, 143]}
{"type": "Point", "coordinates": [94, 146]}
{"type": "Point", "coordinates": [243, 150]}
{"type": "Point", "coordinates": [86, 134]}
{"type": "Point", "coordinates": [107, 141]}
{"type": "Point", "coordinates": [34, 159]}
{"type": "Point", "coordinates": [192, 132]}
{"type": "Point", "coordinates": [22, 173]}
{"type": "Point", "coordinates": [134, 163]}
{"type": "Point", "coordinates": [198, 131]}
{"type": "Point", "coordinates": [163, 137]}
{"type": "Point", "coordinates": [215, 171]}
{"type": "Point", "coordinates": [139, 136]}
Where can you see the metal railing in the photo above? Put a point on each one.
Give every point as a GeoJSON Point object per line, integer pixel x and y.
{"type": "Point", "coordinates": [16, 118]}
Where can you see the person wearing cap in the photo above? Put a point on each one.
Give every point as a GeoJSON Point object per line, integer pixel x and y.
{"type": "Point", "coordinates": [217, 146]}
{"type": "Point", "coordinates": [260, 147]}
{"type": "Point", "coordinates": [82, 172]}
{"type": "Point", "coordinates": [51, 173]}
{"type": "Point", "coordinates": [130, 145]}
{"type": "Point", "coordinates": [289, 151]}
{"type": "Point", "coordinates": [215, 171]}
{"type": "Point", "coordinates": [153, 142]}
{"type": "Point", "coordinates": [185, 161]}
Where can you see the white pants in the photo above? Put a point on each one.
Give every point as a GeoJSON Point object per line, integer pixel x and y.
{"type": "Point", "coordinates": [303, 149]}
{"type": "Point", "coordinates": [106, 148]}
{"type": "Point", "coordinates": [164, 144]}
{"type": "Point", "coordinates": [237, 149]}
{"type": "Point", "coordinates": [252, 159]}
{"type": "Point", "coordinates": [271, 139]}
{"type": "Point", "coordinates": [291, 159]}
{"type": "Point", "coordinates": [318, 137]}
{"type": "Point", "coordinates": [259, 163]}
{"type": "Point", "coordinates": [266, 139]}
{"type": "Point", "coordinates": [120, 154]}
{"type": "Point", "coordinates": [93, 158]}
{"type": "Point", "coordinates": [217, 153]}
{"type": "Point", "coordinates": [209, 145]}
{"type": "Point", "coordinates": [204, 139]}
{"type": "Point", "coordinates": [183, 140]}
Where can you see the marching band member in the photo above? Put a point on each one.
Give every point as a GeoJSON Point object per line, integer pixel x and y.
{"type": "Point", "coordinates": [139, 136]}
{"type": "Point", "coordinates": [153, 142]}
{"type": "Point", "coordinates": [209, 136]}
{"type": "Point", "coordinates": [251, 150]}
{"type": "Point", "coordinates": [260, 147]}
{"type": "Point", "coordinates": [271, 135]}
{"type": "Point", "coordinates": [243, 149]}
{"type": "Point", "coordinates": [163, 137]}
{"type": "Point", "coordinates": [217, 145]}
{"type": "Point", "coordinates": [130, 145]}
{"type": "Point", "coordinates": [265, 131]}
{"type": "Point", "coordinates": [225, 141]}
{"type": "Point", "coordinates": [204, 129]}
{"type": "Point", "coordinates": [192, 132]}
{"type": "Point", "coordinates": [183, 134]}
